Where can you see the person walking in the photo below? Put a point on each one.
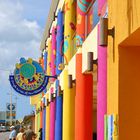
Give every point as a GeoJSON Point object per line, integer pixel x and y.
{"type": "Point", "coordinates": [29, 133]}
{"type": "Point", "coordinates": [34, 136]}
{"type": "Point", "coordinates": [20, 134]}
{"type": "Point", "coordinates": [40, 136]}
{"type": "Point", "coordinates": [12, 135]}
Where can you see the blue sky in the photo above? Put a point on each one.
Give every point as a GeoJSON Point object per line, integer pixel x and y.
{"type": "Point", "coordinates": [22, 24]}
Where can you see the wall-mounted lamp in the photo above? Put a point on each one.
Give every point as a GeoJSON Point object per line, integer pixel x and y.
{"type": "Point", "coordinates": [105, 32]}
{"type": "Point", "coordinates": [60, 91]}
{"type": "Point", "coordinates": [42, 54]}
{"type": "Point", "coordinates": [37, 111]}
{"type": "Point", "coordinates": [47, 102]}
{"type": "Point", "coordinates": [90, 61]}
{"type": "Point", "coordinates": [53, 96]}
{"type": "Point", "coordinates": [70, 81]}
{"type": "Point", "coordinates": [50, 34]}
{"type": "Point", "coordinates": [44, 106]}
{"type": "Point", "coordinates": [55, 16]}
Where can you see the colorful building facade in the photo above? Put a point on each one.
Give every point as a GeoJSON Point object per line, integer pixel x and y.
{"type": "Point", "coordinates": [90, 45]}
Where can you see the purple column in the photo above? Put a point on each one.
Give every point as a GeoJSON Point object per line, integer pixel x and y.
{"type": "Point", "coordinates": [59, 43]}
{"type": "Point", "coordinates": [102, 90]}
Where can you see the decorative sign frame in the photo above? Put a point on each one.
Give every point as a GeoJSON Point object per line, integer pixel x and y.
{"type": "Point", "coordinates": [29, 78]}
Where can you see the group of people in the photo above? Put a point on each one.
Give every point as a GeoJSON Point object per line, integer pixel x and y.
{"type": "Point", "coordinates": [22, 135]}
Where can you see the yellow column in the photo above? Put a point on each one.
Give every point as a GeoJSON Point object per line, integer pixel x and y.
{"type": "Point", "coordinates": [35, 123]}
{"type": "Point", "coordinates": [68, 109]}
{"type": "Point", "coordinates": [69, 29]}
{"type": "Point", "coordinates": [47, 120]}
{"type": "Point", "coordinates": [38, 121]}
{"type": "Point", "coordinates": [49, 57]}
{"type": "Point", "coordinates": [49, 43]}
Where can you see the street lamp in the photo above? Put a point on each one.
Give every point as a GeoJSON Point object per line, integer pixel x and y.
{"type": "Point", "coordinates": [10, 94]}
{"type": "Point", "coordinates": [9, 71]}
{"type": "Point", "coordinates": [16, 98]}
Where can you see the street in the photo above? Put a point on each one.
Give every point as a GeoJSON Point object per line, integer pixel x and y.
{"type": "Point", "coordinates": [4, 135]}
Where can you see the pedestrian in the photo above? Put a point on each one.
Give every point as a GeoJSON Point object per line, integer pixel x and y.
{"type": "Point", "coordinates": [29, 133]}
{"type": "Point", "coordinates": [34, 136]}
{"type": "Point", "coordinates": [12, 135]}
{"type": "Point", "coordinates": [20, 134]}
{"type": "Point", "coordinates": [24, 136]}
{"type": "Point", "coordinates": [40, 136]}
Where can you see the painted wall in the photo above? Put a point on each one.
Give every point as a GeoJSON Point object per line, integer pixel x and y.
{"type": "Point", "coordinates": [129, 79]}
{"type": "Point", "coordinates": [125, 20]}
{"type": "Point", "coordinates": [123, 66]}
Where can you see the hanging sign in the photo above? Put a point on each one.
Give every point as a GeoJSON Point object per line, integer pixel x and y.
{"type": "Point", "coordinates": [29, 78]}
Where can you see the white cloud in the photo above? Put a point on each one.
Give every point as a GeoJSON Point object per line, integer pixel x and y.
{"type": "Point", "coordinates": [10, 53]}
{"type": "Point", "coordinates": [18, 36]}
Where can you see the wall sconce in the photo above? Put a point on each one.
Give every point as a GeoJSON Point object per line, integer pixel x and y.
{"type": "Point", "coordinates": [55, 16]}
{"type": "Point", "coordinates": [47, 102]}
{"type": "Point", "coordinates": [91, 62]}
{"type": "Point", "coordinates": [37, 111]}
{"type": "Point", "coordinates": [70, 81]}
{"type": "Point", "coordinates": [60, 91]}
{"type": "Point", "coordinates": [50, 34]}
{"type": "Point", "coordinates": [53, 96]}
{"type": "Point", "coordinates": [105, 32]}
{"type": "Point", "coordinates": [41, 108]}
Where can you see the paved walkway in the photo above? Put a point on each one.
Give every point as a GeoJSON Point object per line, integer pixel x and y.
{"type": "Point", "coordinates": [4, 135]}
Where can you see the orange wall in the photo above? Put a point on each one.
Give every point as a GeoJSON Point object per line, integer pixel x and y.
{"type": "Point", "coordinates": [124, 15]}
{"type": "Point", "coordinates": [124, 67]}
{"type": "Point", "coordinates": [129, 92]}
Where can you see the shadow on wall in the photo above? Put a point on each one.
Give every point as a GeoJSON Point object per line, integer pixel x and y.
{"type": "Point", "coordinates": [94, 136]}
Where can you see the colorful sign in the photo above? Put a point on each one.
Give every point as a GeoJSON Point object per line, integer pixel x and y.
{"type": "Point", "coordinates": [29, 78]}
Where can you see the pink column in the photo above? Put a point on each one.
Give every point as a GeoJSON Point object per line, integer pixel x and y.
{"type": "Point", "coordinates": [53, 54]}
{"type": "Point", "coordinates": [52, 104]}
{"type": "Point", "coordinates": [102, 90]}
{"type": "Point", "coordinates": [52, 117]}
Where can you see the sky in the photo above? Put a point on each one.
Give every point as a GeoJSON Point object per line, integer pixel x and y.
{"type": "Point", "coordinates": [22, 24]}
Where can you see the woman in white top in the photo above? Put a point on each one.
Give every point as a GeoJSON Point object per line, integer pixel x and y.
{"type": "Point", "coordinates": [20, 134]}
